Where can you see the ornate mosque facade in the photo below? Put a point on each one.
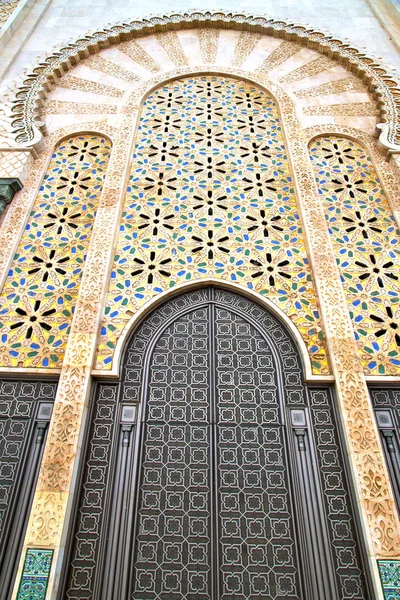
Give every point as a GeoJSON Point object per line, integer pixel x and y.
{"type": "Point", "coordinates": [199, 302]}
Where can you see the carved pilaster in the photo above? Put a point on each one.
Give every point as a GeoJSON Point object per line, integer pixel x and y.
{"type": "Point", "coordinates": [378, 512]}
{"type": "Point", "coordinates": [52, 503]}
{"type": "Point", "coordinates": [322, 578]}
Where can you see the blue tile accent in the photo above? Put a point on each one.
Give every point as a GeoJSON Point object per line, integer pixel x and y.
{"type": "Point", "coordinates": [389, 570]}
{"type": "Point", "coordinates": [35, 574]}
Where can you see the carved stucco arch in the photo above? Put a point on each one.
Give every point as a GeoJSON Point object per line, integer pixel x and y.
{"type": "Point", "coordinates": [61, 135]}
{"type": "Point", "coordinates": [102, 130]}
{"type": "Point", "coordinates": [25, 112]}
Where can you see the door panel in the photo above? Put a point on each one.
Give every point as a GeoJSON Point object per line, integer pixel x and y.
{"type": "Point", "coordinates": [173, 530]}
{"type": "Point", "coordinates": [213, 467]}
{"type": "Point", "coordinates": [256, 532]}
{"type": "Point", "coordinates": [229, 484]}
{"type": "Point", "coordinates": [25, 412]}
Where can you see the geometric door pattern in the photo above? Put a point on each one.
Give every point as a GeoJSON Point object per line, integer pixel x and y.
{"type": "Point", "coordinates": [235, 412]}
{"type": "Point", "coordinates": [211, 194]}
{"type": "Point", "coordinates": [256, 531]}
{"type": "Point", "coordinates": [366, 240]}
{"type": "Point", "coordinates": [212, 505]}
{"type": "Point", "coordinates": [173, 553]}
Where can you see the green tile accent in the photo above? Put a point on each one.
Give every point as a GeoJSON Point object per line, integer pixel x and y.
{"type": "Point", "coordinates": [35, 575]}
{"type": "Point", "coordinates": [389, 570]}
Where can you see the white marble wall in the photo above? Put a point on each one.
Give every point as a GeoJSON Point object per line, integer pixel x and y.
{"type": "Point", "coordinates": [65, 20]}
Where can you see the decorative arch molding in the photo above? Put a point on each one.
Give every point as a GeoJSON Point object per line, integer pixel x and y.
{"type": "Point", "coordinates": [25, 115]}
{"type": "Point", "coordinates": [141, 314]}
{"type": "Point", "coordinates": [88, 129]}
{"type": "Point", "coordinates": [137, 97]}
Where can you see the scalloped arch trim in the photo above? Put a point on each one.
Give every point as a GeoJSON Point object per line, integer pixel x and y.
{"type": "Point", "coordinates": [30, 96]}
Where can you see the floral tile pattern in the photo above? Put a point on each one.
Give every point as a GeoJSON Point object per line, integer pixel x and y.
{"type": "Point", "coordinates": [367, 244]}
{"type": "Point", "coordinates": [35, 574]}
{"type": "Point", "coordinates": [39, 295]}
{"type": "Point", "coordinates": [210, 194]}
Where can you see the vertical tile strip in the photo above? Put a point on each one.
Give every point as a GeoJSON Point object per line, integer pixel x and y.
{"type": "Point", "coordinates": [389, 571]}
{"type": "Point", "coordinates": [35, 574]}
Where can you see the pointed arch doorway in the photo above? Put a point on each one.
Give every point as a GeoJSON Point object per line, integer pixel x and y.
{"type": "Point", "coordinates": [212, 471]}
